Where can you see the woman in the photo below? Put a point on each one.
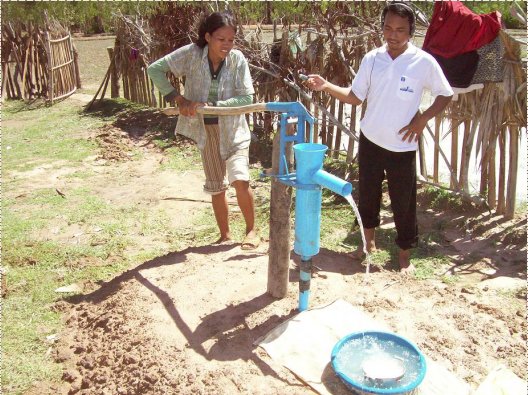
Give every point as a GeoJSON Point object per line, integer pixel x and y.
{"type": "Point", "coordinates": [215, 75]}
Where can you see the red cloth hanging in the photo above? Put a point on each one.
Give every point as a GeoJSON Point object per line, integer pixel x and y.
{"type": "Point", "coordinates": [455, 29]}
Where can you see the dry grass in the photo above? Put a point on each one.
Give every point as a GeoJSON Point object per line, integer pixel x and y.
{"type": "Point", "coordinates": [93, 61]}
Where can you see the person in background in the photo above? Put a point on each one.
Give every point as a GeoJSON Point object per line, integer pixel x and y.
{"type": "Point", "coordinates": [391, 78]}
{"type": "Point", "coordinates": [215, 75]}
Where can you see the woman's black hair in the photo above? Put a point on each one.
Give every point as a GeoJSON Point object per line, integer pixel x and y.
{"type": "Point", "coordinates": [212, 22]}
{"type": "Point", "coordinates": [402, 10]}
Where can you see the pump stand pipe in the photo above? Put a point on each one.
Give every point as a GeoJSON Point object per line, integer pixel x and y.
{"type": "Point", "coordinates": [308, 180]}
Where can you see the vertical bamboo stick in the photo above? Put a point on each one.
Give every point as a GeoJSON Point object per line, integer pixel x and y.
{"type": "Point", "coordinates": [464, 162]}
{"type": "Point", "coordinates": [436, 153]}
{"type": "Point", "coordinates": [50, 66]}
{"type": "Point", "coordinates": [501, 194]}
{"type": "Point", "coordinates": [340, 116]}
{"type": "Point", "coordinates": [351, 141]}
{"type": "Point", "coordinates": [330, 132]}
{"type": "Point", "coordinates": [76, 65]}
{"type": "Point", "coordinates": [316, 116]}
{"type": "Point", "coordinates": [144, 85]}
{"type": "Point", "coordinates": [422, 158]}
{"type": "Point", "coordinates": [454, 153]}
{"type": "Point", "coordinates": [512, 171]}
{"type": "Point", "coordinates": [492, 187]}
{"type": "Point", "coordinates": [323, 129]}
{"type": "Point", "coordinates": [126, 92]}
{"type": "Point", "coordinates": [25, 91]}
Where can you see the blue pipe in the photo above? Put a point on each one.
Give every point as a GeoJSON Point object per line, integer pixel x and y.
{"type": "Point", "coordinates": [335, 184]}
{"type": "Point", "coordinates": [310, 178]}
{"type": "Point", "coordinates": [305, 275]}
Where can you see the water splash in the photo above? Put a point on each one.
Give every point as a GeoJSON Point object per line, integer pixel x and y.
{"type": "Point", "coordinates": [350, 200]}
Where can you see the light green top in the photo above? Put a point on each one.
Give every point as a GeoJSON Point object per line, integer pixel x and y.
{"type": "Point", "coordinates": [235, 88]}
{"type": "Point", "coordinates": [157, 73]}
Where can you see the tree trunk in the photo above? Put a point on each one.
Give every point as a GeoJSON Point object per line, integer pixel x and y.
{"type": "Point", "coordinates": [269, 9]}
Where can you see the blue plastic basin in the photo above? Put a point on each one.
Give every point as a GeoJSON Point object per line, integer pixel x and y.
{"type": "Point", "coordinates": [349, 354]}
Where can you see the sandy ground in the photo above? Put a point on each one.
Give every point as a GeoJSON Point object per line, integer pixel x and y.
{"type": "Point", "coordinates": [187, 322]}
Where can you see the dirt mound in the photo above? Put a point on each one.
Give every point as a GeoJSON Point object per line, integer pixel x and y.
{"type": "Point", "coordinates": [187, 323]}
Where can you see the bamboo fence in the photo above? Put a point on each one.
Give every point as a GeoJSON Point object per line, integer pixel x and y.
{"type": "Point", "coordinates": [38, 62]}
{"type": "Point", "coordinates": [485, 123]}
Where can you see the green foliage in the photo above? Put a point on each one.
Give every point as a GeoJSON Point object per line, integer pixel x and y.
{"type": "Point", "coordinates": [485, 7]}
{"type": "Point", "coordinates": [85, 16]}
{"type": "Point", "coordinates": [97, 17]}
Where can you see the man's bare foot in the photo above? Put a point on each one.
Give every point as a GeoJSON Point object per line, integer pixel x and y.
{"type": "Point", "coordinates": [359, 254]}
{"type": "Point", "coordinates": [404, 259]}
{"type": "Point", "coordinates": [370, 243]}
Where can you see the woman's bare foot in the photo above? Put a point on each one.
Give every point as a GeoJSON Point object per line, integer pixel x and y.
{"type": "Point", "coordinates": [404, 259]}
{"type": "Point", "coordinates": [251, 241]}
{"type": "Point", "coordinates": [223, 239]}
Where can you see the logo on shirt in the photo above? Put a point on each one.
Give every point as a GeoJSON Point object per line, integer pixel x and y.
{"type": "Point", "coordinates": [405, 88]}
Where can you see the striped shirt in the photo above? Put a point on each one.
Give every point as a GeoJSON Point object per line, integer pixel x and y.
{"type": "Point", "coordinates": [234, 82]}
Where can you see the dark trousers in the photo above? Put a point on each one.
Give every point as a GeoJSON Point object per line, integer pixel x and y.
{"type": "Point", "coordinates": [376, 163]}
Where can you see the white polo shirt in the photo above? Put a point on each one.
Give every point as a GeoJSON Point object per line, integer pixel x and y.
{"type": "Point", "coordinates": [394, 90]}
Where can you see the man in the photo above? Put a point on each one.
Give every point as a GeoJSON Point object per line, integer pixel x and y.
{"type": "Point", "coordinates": [392, 78]}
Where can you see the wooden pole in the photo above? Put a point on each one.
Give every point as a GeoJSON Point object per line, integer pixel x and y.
{"type": "Point", "coordinates": [501, 195]}
{"type": "Point", "coordinates": [323, 129]}
{"type": "Point", "coordinates": [76, 66]}
{"type": "Point", "coordinates": [464, 163]}
{"type": "Point", "coordinates": [492, 181]}
{"type": "Point", "coordinates": [421, 157]}
{"type": "Point", "coordinates": [25, 70]}
{"type": "Point", "coordinates": [436, 155]}
{"type": "Point", "coordinates": [315, 136]}
{"type": "Point", "coordinates": [351, 142]}
{"type": "Point", "coordinates": [126, 93]}
{"type": "Point", "coordinates": [50, 67]}
{"type": "Point", "coordinates": [340, 116]}
{"type": "Point", "coordinates": [330, 133]}
{"type": "Point", "coordinates": [454, 152]}
{"type": "Point", "coordinates": [280, 228]}
{"type": "Point", "coordinates": [512, 171]}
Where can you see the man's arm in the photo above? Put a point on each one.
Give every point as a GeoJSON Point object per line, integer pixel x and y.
{"type": "Point", "coordinates": [415, 128]}
{"type": "Point", "coordinates": [318, 83]}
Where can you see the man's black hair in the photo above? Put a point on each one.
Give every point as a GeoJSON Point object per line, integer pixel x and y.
{"type": "Point", "coordinates": [403, 10]}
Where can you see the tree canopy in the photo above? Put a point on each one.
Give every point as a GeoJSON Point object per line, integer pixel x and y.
{"type": "Point", "coordinates": [97, 17]}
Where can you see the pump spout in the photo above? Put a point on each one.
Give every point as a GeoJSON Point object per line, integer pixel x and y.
{"type": "Point", "coordinates": [332, 182]}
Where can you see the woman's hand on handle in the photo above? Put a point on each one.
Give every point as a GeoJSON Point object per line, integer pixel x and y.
{"type": "Point", "coordinates": [187, 107]}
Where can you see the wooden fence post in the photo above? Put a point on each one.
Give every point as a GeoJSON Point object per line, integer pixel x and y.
{"type": "Point", "coordinates": [114, 81]}
{"type": "Point", "coordinates": [454, 153]}
{"type": "Point", "coordinates": [280, 227]}
{"type": "Point", "coordinates": [436, 157]}
{"type": "Point", "coordinates": [50, 66]}
{"type": "Point", "coordinates": [512, 171]}
{"type": "Point", "coordinates": [501, 195]}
